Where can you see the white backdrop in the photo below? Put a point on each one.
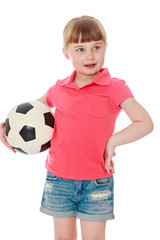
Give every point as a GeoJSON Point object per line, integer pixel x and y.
{"type": "Point", "coordinates": [31, 61]}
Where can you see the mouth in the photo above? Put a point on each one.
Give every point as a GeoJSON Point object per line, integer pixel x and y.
{"type": "Point", "coordinates": [91, 65]}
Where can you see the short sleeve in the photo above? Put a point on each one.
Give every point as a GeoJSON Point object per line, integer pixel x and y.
{"type": "Point", "coordinates": [50, 94]}
{"type": "Point", "coordinates": [120, 91]}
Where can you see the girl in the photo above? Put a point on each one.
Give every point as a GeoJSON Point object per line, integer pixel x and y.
{"type": "Point", "coordinates": [79, 181]}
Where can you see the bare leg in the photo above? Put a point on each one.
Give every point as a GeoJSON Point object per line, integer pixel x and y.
{"type": "Point", "coordinates": [93, 230]}
{"type": "Point", "coordinates": [65, 228]}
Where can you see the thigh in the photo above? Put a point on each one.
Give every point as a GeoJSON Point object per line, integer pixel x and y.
{"type": "Point", "coordinates": [93, 230]}
{"type": "Point", "coordinates": [65, 228]}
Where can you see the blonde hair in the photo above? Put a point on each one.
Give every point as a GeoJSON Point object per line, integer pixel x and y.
{"type": "Point", "coordinates": [83, 29]}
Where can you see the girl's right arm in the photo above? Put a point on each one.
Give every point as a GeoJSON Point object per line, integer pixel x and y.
{"type": "Point", "coordinates": [43, 99]}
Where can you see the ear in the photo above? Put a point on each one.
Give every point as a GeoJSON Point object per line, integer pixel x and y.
{"type": "Point", "coordinates": [65, 52]}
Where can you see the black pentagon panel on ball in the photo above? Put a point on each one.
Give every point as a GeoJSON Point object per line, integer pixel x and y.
{"type": "Point", "coordinates": [49, 119]}
{"type": "Point", "coordinates": [45, 146]}
{"type": "Point", "coordinates": [28, 133]}
{"type": "Point", "coordinates": [7, 127]}
{"type": "Point", "coordinates": [24, 108]}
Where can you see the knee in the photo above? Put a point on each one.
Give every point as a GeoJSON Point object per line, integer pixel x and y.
{"type": "Point", "coordinates": [65, 238]}
{"type": "Point", "coordinates": [71, 236]}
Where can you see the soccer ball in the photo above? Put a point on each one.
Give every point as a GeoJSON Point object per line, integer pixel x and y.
{"type": "Point", "coordinates": [29, 127]}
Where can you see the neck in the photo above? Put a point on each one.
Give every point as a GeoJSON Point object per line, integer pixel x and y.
{"type": "Point", "coordinates": [85, 78]}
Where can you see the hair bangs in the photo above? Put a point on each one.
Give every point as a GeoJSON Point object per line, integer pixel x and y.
{"type": "Point", "coordinates": [86, 32]}
{"type": "Point", "coordinates": [84, 29]}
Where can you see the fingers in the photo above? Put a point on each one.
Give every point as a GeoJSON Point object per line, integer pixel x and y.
{"type": "Point", "coordinates": [2, 125]}
{"type": "Point", "coordinates": [109, 163]}
{"type": "Point", "coordinates": [3, 139]}
{"type": "Point", "coordinates": [110, 167]}
{"type": "Point", "coordinates": [8, 146]}
{"type": "Point", "coordinates": [109, 154]}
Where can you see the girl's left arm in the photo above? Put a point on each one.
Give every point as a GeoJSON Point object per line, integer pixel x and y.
{"type": "Point", "coordinates": [141, 126]}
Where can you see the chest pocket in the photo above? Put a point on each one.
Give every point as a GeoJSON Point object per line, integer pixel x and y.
{"type": "Point", "coordinates": [100, 107]}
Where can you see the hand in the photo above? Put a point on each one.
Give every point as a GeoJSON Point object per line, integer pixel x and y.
{"type": "Point", "coordinates": [109, 154]}
{"type": "Point", "coordinates": [3, 139]}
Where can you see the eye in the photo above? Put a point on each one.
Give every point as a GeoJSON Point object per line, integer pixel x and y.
{"type": "Point", "coordinates": [80, 49]}
{"type": "Point", "coordinates": [96, 48]}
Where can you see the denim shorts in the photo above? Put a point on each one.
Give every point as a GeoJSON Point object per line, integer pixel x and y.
{"type": "Point", "coordinates": [89, 200]}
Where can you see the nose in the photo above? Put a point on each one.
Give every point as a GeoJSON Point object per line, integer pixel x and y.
{"type": "Point", "coordinates": [90, 55]}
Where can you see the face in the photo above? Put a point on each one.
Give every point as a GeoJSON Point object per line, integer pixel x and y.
{"type": "Point", "coordinates": [87, 58]}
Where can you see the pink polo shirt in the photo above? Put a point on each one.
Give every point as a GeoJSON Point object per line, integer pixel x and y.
{"type": "Point", "coordinates": [84, 120]}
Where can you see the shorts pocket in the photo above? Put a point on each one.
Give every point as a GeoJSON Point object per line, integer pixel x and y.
{"type": "Point", "coordinates": [103, 181]}
{"type": "Point", "coordinates": [50, 176]}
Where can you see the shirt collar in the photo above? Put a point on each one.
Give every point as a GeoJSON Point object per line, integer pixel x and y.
{"type": "Point", "coordinates": [103, 78]}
